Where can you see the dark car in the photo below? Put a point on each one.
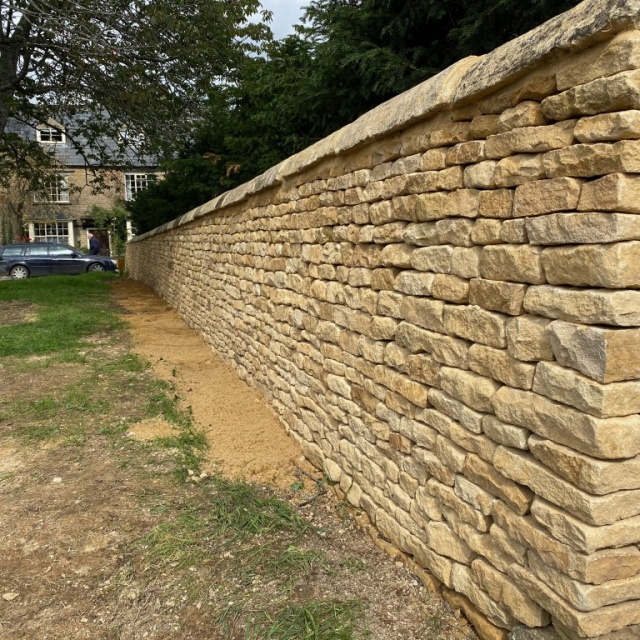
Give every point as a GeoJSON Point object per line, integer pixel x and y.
{"type": "Point", "coordinates": [45, 258]}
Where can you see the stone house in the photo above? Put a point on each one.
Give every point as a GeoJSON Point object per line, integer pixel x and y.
{"type": "Point", "coordinates": [61, 212]}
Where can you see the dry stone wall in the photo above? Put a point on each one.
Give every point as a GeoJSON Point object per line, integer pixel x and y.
{"type": "Point", "coordinates": [442, 302]}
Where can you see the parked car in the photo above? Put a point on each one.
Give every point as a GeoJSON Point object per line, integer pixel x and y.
{"type": "Point", "coordinates": [45, 258]}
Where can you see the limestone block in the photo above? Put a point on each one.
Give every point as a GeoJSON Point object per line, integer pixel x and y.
{"type": "Point", "coordinates": [506, 434]}
{"type": "Point", "coordinates": [494, 295]}
{"type": "Point", "coordinates": [450, 288]}
{"type": "Point", "coordinates": [466, 153]}
{"type": "Point", "coordinates": [485, 629]}
{"type": "Point", "coordinates": [447, 496]}
{"type": "Point", "coordinates": [455, 231]}
{"type": "Point", "coordinates": [423, 312]}
{"type": "Point", "coordinates": [520, 263]}
{"type": "Point", "coordinates": [607, 438]}
{"type": "Point", "coordinates": [614, 93]}
{"type": "Point", "coordinates": [383, 212]}
{"type": "Point", "coordinates": [499, 365]}
{"type": "Point", "coordinates": [436, 259]}
{"type": "Point", "coordinates": [484, 126]}
{"type": "Point", "coordinates": [424, 369]}
{"type": "Point", "coordinates": [589, 160]}
{"type": "Point", "coordinates": [465, 262]}
{"type": "Point", "coordinates": [526, 114]}
{"type": "Point", "coordinates": [496, 204]}
{"type": "Point", "coordinates": [514, 231]}
{"type": "Point", "coordinates": [449, 134]}
{"type": "Point", "coordinates": [413, 391]}
{"type": "Point", "coordinates": [451, 455]}
{"type": "Point", "coordinates": [595, 568]}
{"type": "Point", "coordinates": [593, 306]}
{"type": "Point", "coordinates": [621, 54]}
{"type": "Point", "coordinates": [428, 181]}
{"type": "Point", "coordinates": [397, 255]}
{"type": "Point", "coordinates": [469, 418]}
{"type": "Point", "coordinates": [584, 537]}
{"type": "Point", "coordinates": [387, 233]}
{"type": "Point", "coordinates": [382, 328]}
{"type": "Point", "coordinates": [623, 125]}
{"type": "Point", "coordinates": [444, 349]}
{"type": "Point", "coordinates": [478, 498]}
{"type": "Point", "coordinates": [502, 589]}
{"type": "Point", "coordinates": [470, 388]}
{"type": "Point", "coordinates": [472, 442]}
{"type": "Point", "coordinates": [615, 192]}
{"type": "Point", "coordinates": [572, 388]}
{"type": "Point", "coordinates": [495, 481]}
{"type": "Point", "coordinates": [435, 467]}
{"type": "Point", "coordinates": [530, 140]}
{"type": "Point", "coordinates": [546, 196]}
{"type": "Point", "coordinates": [422, 234]}
{"type": "Point", "coordinates": [476, 324]}
{"type": "Point", "coordinates": [486, 231]}
{"type": "Point", "coordinates": [414, 283]}
{"type": "Point", "coordinates": [598, 265]}
{"type": "Point", "coordinates": [433, 160]}
{"type": "Point", "coordinates": [583, 228]}
{"type": "Point", "coordinates": [523, 468]}
{"type": "Point", "coordinates": [591, 474]}
{"type": "Point", "coordinates": [606, 355]}
{"type": "Point", "coordinates": [480, 176]}
{"type": "Point", "coordinates": [427, 505]}
{"type": "Point", "coordinates": [590, 624]}
{"type": "Point", "coordinates": [377, 279]}
{"type": "Point", "coordinates": [518, 169]}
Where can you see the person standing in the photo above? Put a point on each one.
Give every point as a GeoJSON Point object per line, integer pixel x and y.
{"type": "Point", "coordinates": [94, 244]}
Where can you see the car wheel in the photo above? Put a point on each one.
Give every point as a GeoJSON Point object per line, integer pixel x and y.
{"type": "Point", "coordinates": [95, 266]}
{"type": "Point", "coordinates": [19, 272]}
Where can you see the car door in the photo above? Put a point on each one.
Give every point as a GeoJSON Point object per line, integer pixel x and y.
{"type": "Point", "coordinates": [65, 260]}
{"type": "Point", "coordinates": [37, 259]}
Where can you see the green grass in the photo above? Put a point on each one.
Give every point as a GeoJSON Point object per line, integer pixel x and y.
{"type": "Point", "coordinates": [68, 309]}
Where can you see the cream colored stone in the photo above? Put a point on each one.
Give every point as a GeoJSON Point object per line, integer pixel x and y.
{"type": "Point", "coordinates": [478, 498]}
{"type": "Point", "coordinates": [486, 231]}
{"type": "Point", "coordinates": [423, 312]}
{"type": "Point", "coordinates": [606, 355]}
{"type": "Point", "coordinates": [450, 454]}
{"type": "Point", "coordinates": [423, 234]}
{"type": "Point", "coordinates": [455, 231]}
{"type": "Point", "coordinates": [435, 467]}
{"type": "Point", "coordinates": [450, 288]}
{"type": "Point", "coordinates": [506, 434]}
{"type": "Point", "coordinates": [525, 114]}
{"type": "Point", "coordinates": [397, 255]}
{"type": "Point", "coordinates": [496, 204]}
{"type": "Point", "coordinates": [470, 388]}
{"type": "Point", "coordinates": [444, 349]}
{"type": "Point", "coordinates": [433, 160]}
{"type": "Point", "coordinates": [584, 537]}
{"type": "Point", "coordinates": [447, 496]}
{"type": "Point", "coordinates": [476, 324]}
{"type": "Point", "coordinates": [427, 181]}
{"type": "Point", "coordinates": [423, 369]}
{"type": "Point", "coordinates": [480, 176]}
{"type": "Point", "coordinates": [607, 438]}
{"type": "Point", "coordinates": [589, 160]}
{"type": "Point", "coordinates": [414, 283]}
{"type": "Point", "coordinates": [465, 262]}
{"type": "Point", "coordinates": [389, 303]}
{"type": "Point", "coordinates": [522, 468]}
{"type": "Point", "coordinates": [594, 306]}
{"type": "Point", "coordinates": [493, 295]}
{"type": "Point", "coordinates": [590, 474]}
{"type": "Point", "coordinates": [502, 589]}
{"type": "Point", "coordinates": [597, 265]}
{"type": "Point", "coordinates": [450, 134]}
{"type": "Point", "coordinates": [518, 169]}
{"type": "Point", "coordinates": [520, 263]}
{"type": "Point", "coordinates": [546, 196]}
{"type": "Point", "coordinates": [466, 152]}
{"type": "Point", "coordinates": [490, 478]}
{"type": "Point", "coordinates": [499, 365]}
{"type": "Point", "coordinates": [530, 139]}
{"type": "Point", "coordinates": [514, 231]}
{"type": "Point", "coordinates": [613, 93]}
{"type": "Point", "coordinates": [484, 126]}
{"type": "Point", "coordinates": [572, 388]}
{"type": "Point", "coordinates": [446, 543]}
{"type": "Point", "coordinates": [377, 279]}
{"type": "Point", "coordinates": [485, 629]}
{"type": "Point", "coordinates": [413, 391]}
{"type": "Point", "coordinates": [623, 125]}
{"type": "Point", "coordinates": [615, 192]}
{"type": "Point", "coordinates": [583, 228]}
{"type": "Point", "coordinates": [436, 259]}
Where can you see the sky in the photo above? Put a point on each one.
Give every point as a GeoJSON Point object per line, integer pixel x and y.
{"type": "Point", "coordinates": [286, 13]}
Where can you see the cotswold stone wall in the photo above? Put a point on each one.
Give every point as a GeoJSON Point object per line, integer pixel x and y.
{"type": "Point", "coordinates": [441, 300]}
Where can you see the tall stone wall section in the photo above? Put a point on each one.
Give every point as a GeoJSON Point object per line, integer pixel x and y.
{"type": "Point", "coordinates": [441, 301]}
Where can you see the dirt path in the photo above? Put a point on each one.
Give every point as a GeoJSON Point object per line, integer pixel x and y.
{"type": "Point", "coordinates": [247, 439]}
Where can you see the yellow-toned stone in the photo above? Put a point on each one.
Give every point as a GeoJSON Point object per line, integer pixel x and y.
{"type": "Point", "coordinates": [518, 169]}
{"type": "Point", "coordinates": [589, 160]}
{"type": "Point", "coordinates": [496, 204]}
{"type": "Point", "coordinates": [546, 196]}
{"type": "Point", "coordinates": [530, 139]}
{"type": "Point", "coordinates": [499, 365]}
{"type": "Point", "coordinates": [506, 297]}
{"type": "Point", "coordinates": [476, 324]}
{"type": "Point", "coordinates": [622, 125]}
{"type": "Point", "coordinates": [519, 263]}
{"type": "Point", "coordinates": [615, 192]}
{"type": "Point", "coordinates": [583, 227]}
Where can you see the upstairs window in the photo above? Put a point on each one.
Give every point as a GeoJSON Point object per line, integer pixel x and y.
{"type": "Point", "coordinates": [135, 182]}
{"type": "Point", "coordinates": [50, 135]}
{"type": "Point", "coordinates": [54, 190]}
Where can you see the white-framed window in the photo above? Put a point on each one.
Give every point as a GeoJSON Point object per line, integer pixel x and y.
{"type": "Point", "coordinates": [56, 189]}
{"type": "Point", "coordinates": [136, 182]}
{"type": "Point", "coordinates": [50, 135]}
{"type": "Point", "coordinates": [50, 232]}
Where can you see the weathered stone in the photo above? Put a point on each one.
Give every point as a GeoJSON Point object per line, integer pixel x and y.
{"type": "Point", "coordinates": [450, 454]}
{"type": "Point", "coordinates": [530, 139]}
{"type": "Point", "coordinates": [484, 126]}
{"type": "Point", "coordinates": [452, 133]}
{"type": "Point", "coordinates": [414, 283]}
{"type": "Point", "coordinates": [506, 434]}
{"type": "Point", "coordinates": [591, 474]}
{"type": "Point", "coordinates": [485, 629]}
{"type": "Point", "coordinates": [583, 228]}
{"type": "Point", "coordinates": [450, 288]}
{"type": "Point", "coordinates": [496, 204]}
{"type": "Point", "coordinates": [423, 312]}
{"type": "Point", "coordinates": [478, 498]}
{"type": "Point", "coordinates": [470, 388]}
{"type": "Point", "coordinates": [433, 160]}
{"type": "Point", "coordinates": [446, 543]}
{"type": "Point", "coordinates": [494, 295]}
{"type": "Point", "coordinates": [572, 388]}
{"type": "Point", "coordinates": [606, 355]}
{"type": "Point", "coordinates": [595, 306]}
{"type": "Point", "coordinates": [499, 365]}
{"type": "Point", "coordinates": [607, 438]}
{"type": "Point", "coordinates": [423, 234]}
{"type": "Point", "coordinates": [466, 152]}
{"type": "Point", "coordinates": [546, 196]}
{"type": "Point", "coordinates": [465, 262]}
{"type": "Point", "coordinates": [413, 391]}
{"type": "Point", "coordinates": [455, 231]}
{"type": "Point", "coordinates": [521, 467]}
{"type": "Point", "coordinates": [476, 324]}
{"type": "Point", "coordinates": [436, 467]}
{"type": "Point", "coordinates": [481, 175]}
{"type": "Point", "coordinates": [426, 181]}
{"type": "Point", "coordinates": [614, 93]}
{"type": "Point", "coordinates": [486, 231]}
{"type": "Point", "coordinates": [518, 169]}
{"type": "Point", "coordinates": [520, 263]}
{"type": "Point", "coordinates": [525, 114]}
{"type": "Point", "coordinates": [436, 259]}
{"type": "Point", "coordinates": [588, 160]}
{"type": "Point", "coordinates": [447, 496]}
{"type": "Point", "coordinates": [397, 255]}
{"type": "Point", "coordinates": [514, 231]}
{"type": "Point", "coordinates": [615, 192]}
{"type": "Point", "coordinates": [584, 537]}
{"type": "Point", "coordinates": [444, 349]}
{"type": "Point", "coordinates": [623, 125]}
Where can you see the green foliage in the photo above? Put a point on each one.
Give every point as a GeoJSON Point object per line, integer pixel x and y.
{"type": "Point", "coordinates": [114, 221]}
